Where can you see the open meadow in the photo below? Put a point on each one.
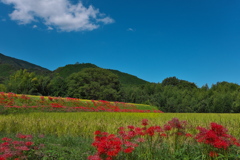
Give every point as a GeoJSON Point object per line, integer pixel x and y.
{"type": "Point", "coordinates": [74, 129]}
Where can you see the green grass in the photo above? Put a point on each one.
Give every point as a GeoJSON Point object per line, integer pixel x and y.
{"type": "Point", "coordinates": [61, 148]}
{"type": "Point", "coordinates": [85, 123]}
{"type": "Point", "coordinates": [69, 135]}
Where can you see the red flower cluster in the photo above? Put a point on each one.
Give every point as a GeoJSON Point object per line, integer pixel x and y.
{"type": "Point", "coordinates": [58, 104]}
{"type": "Point", "coordinates": [109, 145]}
{"type": "Point", "coordinates": [175, 123]}
{"type": "Point", "coordinates": [216, 136]}
{"type": "Point", "coordinates": [13, 149]}
{"type": "Point", "coordinates": [129, 138]}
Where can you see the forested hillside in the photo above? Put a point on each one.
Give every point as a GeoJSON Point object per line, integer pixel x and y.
{"type": "Point", "coordinates": [88, 81]}
{"type": "Point", "coordinates": [124, 78]}
{"type": "Point", "coordinates": [9, 65]}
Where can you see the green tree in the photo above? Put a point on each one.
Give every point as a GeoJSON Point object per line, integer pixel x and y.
{"type": "Point", "coordinates": [58, 87]}
{"type": "Point", "coordinates": [170, 81]}
{"type": "Point", "coordinates": [22, 82]}
{"type": "Point", "coordinates": [94, 83]}
{"type": "Point", "coordinates": [43, 85]}
{"type": "Point", "coordinates": [3, 88]}
{"type": "Point", "coordinates": [182, 84]}
{"type": "Point", "coordinates": [222, 103]}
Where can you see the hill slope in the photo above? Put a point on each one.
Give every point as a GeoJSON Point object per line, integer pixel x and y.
{"type": "Point", "coordinates": [73, 68]}
{"type": "Point", "coordinates": [19, 64]}
{"type": "Point", "coordinates": [9, 65]}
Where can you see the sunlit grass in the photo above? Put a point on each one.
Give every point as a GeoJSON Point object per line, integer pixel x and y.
{"type": "Point", "coordinates": [85, 123]}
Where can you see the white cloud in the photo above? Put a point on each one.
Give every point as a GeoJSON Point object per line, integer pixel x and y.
{"type": "Point", "coordinates": [130, 29]}
{"type": "Point", "coordinates": [60, 14]}
{"type": "Point", "coordinates": [35, 26]}
{"type": "Point", "coordinates": [106, 20]}
{"type": "Point", "coordinates": [49, 28]}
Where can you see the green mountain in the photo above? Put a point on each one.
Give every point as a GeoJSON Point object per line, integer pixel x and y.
{"type": "Point", "coordinates": [9, 65]}
{"type": "Point", "coordinates": [123, 77]}
{"type": "Point", "coordinates": [126, 78]}
{"type": "Point", "coordinates": [72, 68]}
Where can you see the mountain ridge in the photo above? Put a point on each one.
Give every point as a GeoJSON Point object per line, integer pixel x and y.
{"type": "Point", "coordinates": [9, 65]}
{"type": "Point", "coordinates": [18, 63]}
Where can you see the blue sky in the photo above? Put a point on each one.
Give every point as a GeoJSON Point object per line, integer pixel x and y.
{"type": "Point", "coordinates": [194, 40]}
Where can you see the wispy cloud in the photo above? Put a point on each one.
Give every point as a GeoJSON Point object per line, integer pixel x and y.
{"type": "Point", "coordinates": [49, 28]}
{"type": "Point", "coordinates": [59, 14]}
{"type": "Point", "coordinates": [35, 26]}
{"type": "Point", "coordinates": [131, 29]}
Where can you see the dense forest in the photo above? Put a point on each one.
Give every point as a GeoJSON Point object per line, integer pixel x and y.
{"type": "Point", "coordinates": [87, 81]}
{"type": "Point", "coordinates": [172, 95]}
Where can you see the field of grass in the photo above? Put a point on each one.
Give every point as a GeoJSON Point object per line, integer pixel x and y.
{"type": "Point", "coordinates": [69, 135]}
{"type": "Point", "coordinates": [85, 123]}
{"type": "Point", "coordinates": [74, 132]}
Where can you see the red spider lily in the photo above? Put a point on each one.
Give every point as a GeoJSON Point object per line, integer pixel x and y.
{"type": "Point", "coordinates": [94, 157]}
{"type": "Point", "coordinates": [131, 127]}
{"type": "Point", "coordinates": [9, 100]}
{"type": "Point", "coordinates": [150, 131]}
{"type": "Point", "coordinates": [188, 135]}
{"type": "Point", "coordinates": [29, 143]}
{"type": "Point", "coordinates": [175, 123]}
{"type": "Point", "coordinates": [12, 149]}
{"type": "Point", "coordinates": [130, 137]}
{"type": "Point", "coordinates": [218, 129]}
{"type": "Point", "coordinates": [167, 127]}
{"type": "Point", "coordinates": [22, 148]}
{"type": "Point", "coordinates": [21, 136]}
{"type": "Point", "coordinates": [163, 135]}
{"type": "Point", "coordinates": [97, 132]}
{"type": "Point", "coordinates": [107, 144]}
{"type": "Point", "coordinates": [128, 150]}
{"type": "Point", "coordinates": [179, 133]}
{"type": "Point", "coordinates": [216, 136]}
{"type": "Point", "coordinates": [213, 154]}
{"type": "Point", "coordinates": [145, 122]}
{"type": "Point", "coordinates": [6, 139]}
{"type": "Point", "coordinates": [50, 98]}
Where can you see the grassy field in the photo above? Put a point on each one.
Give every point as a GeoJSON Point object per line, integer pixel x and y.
{"type": "Point", "coordinates": [85, 123]}
{"type": "Point", "coordinates": [69, 135]}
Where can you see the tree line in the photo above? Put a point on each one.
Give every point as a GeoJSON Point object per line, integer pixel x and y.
{"type": "Point", "coordinates": [171, 95]}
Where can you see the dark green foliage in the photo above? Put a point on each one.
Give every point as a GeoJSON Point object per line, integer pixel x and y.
{"type": "Point", "coordinates": [19, 63]}
{"type": "Point", "coordinates": [124, 78]}
{"type": "Point", "coordinates": [43, 86]}
{"type": "Point", "coordinates": [23, 82]}
{"type": "Point", "coordinates": [5, 70]}
{"type": "Point", "coordinates": [128, 79]}
{"type": "Point", "coordinates": [72, 68]}
{"type": "Point", "coordinates": [171, 96]}
{"type": "Point", "coordinates": [173, 81]}
{"type": "Point", "coordinates": [58, 87]}
{"type": "Point", "coordinates": [9, 65]}
{"type": "Point", "coordinates": [94, 83]}
{"type": "Point", "coordinates": [91, 82]}
{"type": "Point", "coordinates": [3, 88]}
